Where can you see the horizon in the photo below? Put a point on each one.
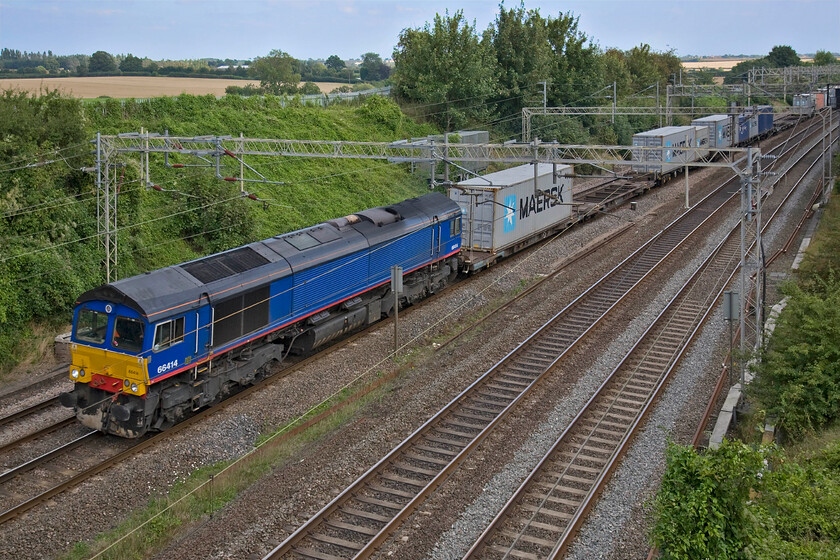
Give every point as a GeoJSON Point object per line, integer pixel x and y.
{"type": "Point", "coordinates": [244, 30]}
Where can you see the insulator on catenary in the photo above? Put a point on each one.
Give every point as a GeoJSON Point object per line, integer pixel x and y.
{"type": "Point", "coordinates": [231, 179]}
{"type": "Point", "coordinates": [228, 152]}
{"type": "Point", "coordinates": [252, 196]}
{"type": "Point", "coordinates": [156, 187]}
{"type": "Point", "coordinates": [177, 165]}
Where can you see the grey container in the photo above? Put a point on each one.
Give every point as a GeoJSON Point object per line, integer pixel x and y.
{"type": "Point", "coordinates": [720, 129]}
{"type": "Point", "coordinates": [502, 211]}
{"type": "Point", "coordinates": [671, 157]}
{"type": "Point", "coordinates": [701, 140]}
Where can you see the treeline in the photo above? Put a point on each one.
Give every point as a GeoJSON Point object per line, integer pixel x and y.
{"type": "Point", "coordinates": [371, 67]}
{"type": "Point", "coordinates": [455, 75]}
{"type": "Point", "coordinates": [281, 74]}
{"type": "Point", "coordinates": [781, 56]}
{"type": "Point", "coordinates": [101, 63]}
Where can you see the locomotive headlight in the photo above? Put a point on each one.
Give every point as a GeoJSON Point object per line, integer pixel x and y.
{"type": "Point", "coordinates": [126, 382]}
{"type": "Point", "coordinates": [74, 373]}
{"type": "Point", "coordinates": [81, 373]}
{"type": "Point", "coordinates": [134, 387]}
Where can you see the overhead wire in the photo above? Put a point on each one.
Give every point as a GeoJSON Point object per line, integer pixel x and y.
{"type": "Point", "coordinates": [271, 202]}
{"type": "Point", "coordinates": [119, 229]}
{"type": "Point", "coordinates": [13, 164]}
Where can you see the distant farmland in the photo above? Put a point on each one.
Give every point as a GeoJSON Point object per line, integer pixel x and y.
{"type": "Point", "coordinates": [720, 63]}
{"type": "Point", "coordinates": [132, 86]}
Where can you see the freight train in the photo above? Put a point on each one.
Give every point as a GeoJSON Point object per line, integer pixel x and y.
{"type": "Point", "coordinates": [806, 104]}
{"type": "Point", "coordinates": [150, 349]}
{"type": "Point", "coordinates": [712, 132]}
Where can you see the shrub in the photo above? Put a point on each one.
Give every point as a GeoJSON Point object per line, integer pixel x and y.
{"type": "Point", "coordinates": [700, 509]}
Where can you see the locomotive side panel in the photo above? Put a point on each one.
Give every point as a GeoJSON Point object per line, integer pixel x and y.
{"type": "Point", "coordinates": [323, 285]}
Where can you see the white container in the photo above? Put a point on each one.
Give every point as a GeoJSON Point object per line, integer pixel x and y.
{"type": "Point", "coordinates": [501, 209]}
{"type": "Point", "coordinates": [671, 139]}
{"type": "Point", "coordinates": [720, 129]}
{"type": "Point", "coordinates": [701, 140]}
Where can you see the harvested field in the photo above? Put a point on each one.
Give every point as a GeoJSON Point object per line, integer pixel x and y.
{"type": "Point", "coordinates": [132, 86]}
{"type": "Point", "coordinates": [719, 63]}
{"type": "Point", "coordinates": [713, 63]}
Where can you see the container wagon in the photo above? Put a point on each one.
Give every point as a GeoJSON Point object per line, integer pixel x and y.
{"type": "Point", "coordinates": [672, 157]}
{"type": "Point", "coordinates": [509, 210]}
{"type": "Point", "coordinates": [720, 129]}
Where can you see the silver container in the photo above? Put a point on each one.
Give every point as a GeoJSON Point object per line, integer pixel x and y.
{"type": "Point", "coordinates": [720, 129]}
{"type": "Point", "coordinates": [502, 209]}
{"type": "Point", "coordinates": [671, 157]}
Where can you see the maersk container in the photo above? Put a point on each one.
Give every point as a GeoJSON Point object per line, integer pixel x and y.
{"type": "Point", "coordinates": [765, 118]}
{"type": "Point", "coordinates": [701, 140]}
{"type": "Point", "coordinates": [503, 210]}
{"type": "Point", "coordinates": [671, 139]}
{"type": "Point", "coordinates": [720, 129]}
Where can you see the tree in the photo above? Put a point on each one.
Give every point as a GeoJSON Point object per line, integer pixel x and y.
{"type": "Point", "coordinates": [740, 71]}
{"type": "Point", "coordinates": [446, 66]}
{"type": "Point", "coordinates": [782, 56]}
{"type": "Point", "coordinates": [577, 70]}
{"type": "Point", "coordinates": [823, 58]}
{"type": "Point", "coordinates": [799, 374]}
{"type": "Point", "coordinates": [131, 64]}
{"type": "Point", "coordinates": [310, 88]}
{"type": "Point", "coordinates": [373, 69]}
{"type": "Point", "coordinates": [278, 72]}
{"type": "Point", "coordinates": [101, 61]}
{"type": "Point", "coordinates": [523, 57]}
{"type": "Point", "coordinates": [335, 63]}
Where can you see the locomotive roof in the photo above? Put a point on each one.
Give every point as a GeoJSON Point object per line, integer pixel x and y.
{"type": "Point", "coordinates": [180, 288]}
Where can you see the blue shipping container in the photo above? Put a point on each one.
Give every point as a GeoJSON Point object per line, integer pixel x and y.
{"type": "Point", "coordinates": [743, 129]}
{"type": "Point", "coordinates": [765, 118]}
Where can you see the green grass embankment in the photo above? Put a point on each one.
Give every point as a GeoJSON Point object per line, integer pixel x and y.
{"type": "Point", "coordinates": [49, 240]}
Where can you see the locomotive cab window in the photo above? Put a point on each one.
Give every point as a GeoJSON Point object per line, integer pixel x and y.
{"type": "Point", "coordinates": [128, 334]}
{"type": "Point", "coordinates": [91, 326]}
{"type": "Point", "coordinates": [169, 333]}
{"type": "Point", "coordinates": [455, 227]}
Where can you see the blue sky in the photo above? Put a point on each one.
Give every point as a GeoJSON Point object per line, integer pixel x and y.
{"type": "Point", "coordinates": [244, 29]}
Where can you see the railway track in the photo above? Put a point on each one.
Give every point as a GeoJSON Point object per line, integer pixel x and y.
{"type": "Point", "coordinates": [52, 481]}
{"type": "Point", "coordinates": [364, 515]}
{"type": "Point", "coordinates": [578, 256]}
{"type": "Point", "coordinates": [29, 411]}
{"type": "Point", "coordinates": [538, 520]}
{"type": "Point", "coordinates": [544, 513]}
{"type": "Point", "coordinates": [85, 472]}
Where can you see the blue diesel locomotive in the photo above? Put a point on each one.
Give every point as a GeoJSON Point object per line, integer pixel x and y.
{"type": "Point", "coordinates": [148, 350]}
